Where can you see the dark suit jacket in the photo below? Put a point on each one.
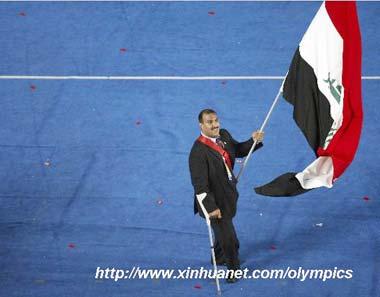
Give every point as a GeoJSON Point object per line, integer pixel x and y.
{"type": "Point", "coordinates": [209, 175]}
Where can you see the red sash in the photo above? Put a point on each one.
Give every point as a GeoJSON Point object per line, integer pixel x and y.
{"type": "Point", "coordinates": [217, 148]}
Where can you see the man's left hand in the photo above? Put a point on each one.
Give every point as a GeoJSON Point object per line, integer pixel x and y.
{"type": "Point", "coordinates": [257, 135]}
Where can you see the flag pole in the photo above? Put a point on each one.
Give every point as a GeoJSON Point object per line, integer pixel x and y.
{"type": "Point", "coordinates": [261, 130]}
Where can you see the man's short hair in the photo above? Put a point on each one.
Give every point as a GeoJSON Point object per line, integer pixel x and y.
{"type": "Point", "coordinates": [205, 111]}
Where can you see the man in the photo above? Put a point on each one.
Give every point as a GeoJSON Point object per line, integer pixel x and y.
{"type": "Point", "coordinates": [211, 163]}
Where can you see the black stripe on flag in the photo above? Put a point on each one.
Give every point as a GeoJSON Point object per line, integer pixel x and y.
{"type": "Point", "coordinates": [284, 185]}
{"type": "Point", "coordinates": [311, 108]}
{"type": "Point", "coordinates": [311, 113]}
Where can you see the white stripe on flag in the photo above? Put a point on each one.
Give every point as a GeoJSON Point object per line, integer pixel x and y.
{"type": "Point", "coordinates": [318, 174]}
{"type": "Point", "coordinates": [322, 48]}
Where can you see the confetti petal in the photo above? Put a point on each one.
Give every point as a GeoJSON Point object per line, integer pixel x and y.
{"type": "Point", "coordinates": [33, 87]}
{"type": "Point", "coordinates": [123, 50]}
{"type": "Point", "coordinates": [197, 286]}
{"type": "Point", "coordinates": [160, 201]}
{"type": "Point", "coordinates": [366, 198]}
{"type": "Point", "coordinates": [22, 14]}
{"type": "Point", "coordinates": [211, 13]}
{"type": "Point", "coordinates": [273, 247]}
{"type": "Point", "coordinates": [138, 123]}
{"type": "Point", "coordinates": [71, 245]}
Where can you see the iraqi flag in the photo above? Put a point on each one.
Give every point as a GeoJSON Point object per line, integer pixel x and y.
{"type": "Point", "coordinates": [324, 86]}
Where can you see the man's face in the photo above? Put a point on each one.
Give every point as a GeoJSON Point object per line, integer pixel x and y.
{"type": "Point", "coordinates": [210, 125]}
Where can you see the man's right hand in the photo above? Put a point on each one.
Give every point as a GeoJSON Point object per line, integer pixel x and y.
{"type": "Point", "coordinates": [216, 214]}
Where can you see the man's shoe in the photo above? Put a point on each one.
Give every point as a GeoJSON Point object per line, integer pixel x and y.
{"type": "Point", "coordinates": [231, 275]}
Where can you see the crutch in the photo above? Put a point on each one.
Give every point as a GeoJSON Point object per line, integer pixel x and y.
{"type": "Point", "coordinates": [200, 198]}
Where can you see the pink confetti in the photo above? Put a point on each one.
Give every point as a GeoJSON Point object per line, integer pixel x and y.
{"type": "Point", "coordinates": [197, 286]}
{"type": "Point", "coordinates": [123, 50]}
{"type": "Point", "coordinates": [224, 83]}
{"type": "Point", "coordinates": [22, 14]}
{"type": "Point", "coordinates": [33, 87]}
{"type": "Point", "coordinates": [138, 123]}
{"type": "Point", "coordinates": [273, 247]}
{"type": "Point", "coordinates": [71, 245]}
{"type": "Point", "coordinates": [211, 13]}
{"type": "Point", "coordinates": [366, 198]}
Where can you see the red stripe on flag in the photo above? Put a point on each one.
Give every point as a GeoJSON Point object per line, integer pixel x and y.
{"type": "Point", "coordinates": [343, 146]}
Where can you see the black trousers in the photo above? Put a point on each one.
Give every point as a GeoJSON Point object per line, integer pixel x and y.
{"type": "Point", "coordinates": [226, 244]}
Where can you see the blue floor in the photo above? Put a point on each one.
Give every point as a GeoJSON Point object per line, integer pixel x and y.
{"type": "Point", "coordinates": [95, 172]}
